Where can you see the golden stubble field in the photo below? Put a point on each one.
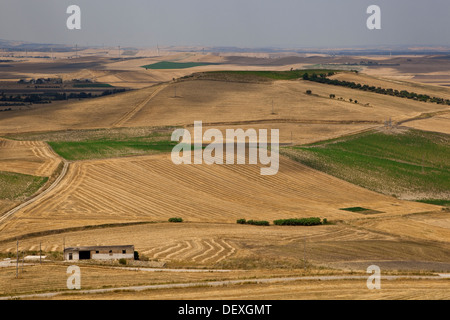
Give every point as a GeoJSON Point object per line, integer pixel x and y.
{"type": "Point", "coordinates": [218, 102]}
{"type": "Point", "coordinates": [299, 290]}
{"type": "Point", "coordinates": [406, 236]}
{"type": "Point", "coordinates": [152, 188]}
{"type": "Point", "coordinates": [28, 157]}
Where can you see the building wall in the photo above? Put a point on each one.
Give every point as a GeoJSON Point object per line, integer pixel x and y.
{"type": "Point", "coordinates": [114, 256]}
{"type": "Point", "coordinates": [75, 256]}
{"type": "Point", "coordinates": [100, 256]}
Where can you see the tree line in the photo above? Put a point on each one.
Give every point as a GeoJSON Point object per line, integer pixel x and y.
{"type": "Point", "coordinates": [36, 98]}
{"type": "Point", "coordinates": [322, 78]}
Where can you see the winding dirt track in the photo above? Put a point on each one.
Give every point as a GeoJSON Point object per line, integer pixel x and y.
{"type": "Point", "coordinates": [40, 196]}
{"type": "Point", "coordinates": [222, 283]}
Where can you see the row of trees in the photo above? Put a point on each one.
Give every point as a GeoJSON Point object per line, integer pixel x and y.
{"type": "Point", "coordinates": [54, 96]}
{"type": "Point", "coordinates": [322, 78]}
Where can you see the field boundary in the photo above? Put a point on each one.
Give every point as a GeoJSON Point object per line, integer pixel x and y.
{"type": "Point", "coordinates": [74, 229]}
{"type": "Point", "coordinates": [11, 212]}
{"type": "Point", "coordinates": [136, 109]}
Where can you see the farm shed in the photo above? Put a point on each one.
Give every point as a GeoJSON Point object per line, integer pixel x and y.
{"type": "Point", "coordinates": [99, 253]}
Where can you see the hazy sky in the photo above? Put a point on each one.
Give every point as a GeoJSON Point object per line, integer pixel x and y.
{"type": "Point", "coordinates": [242, 23]}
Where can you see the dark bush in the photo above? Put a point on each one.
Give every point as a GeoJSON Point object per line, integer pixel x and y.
{"type": "Point", "coordinates": [253, 222]}
{"type": "Point", "coordinates": [176, 220]}
{"type": "Point", "coordinates": [258, 223]}
{"type": "Point", "coordinates": [298, 222]}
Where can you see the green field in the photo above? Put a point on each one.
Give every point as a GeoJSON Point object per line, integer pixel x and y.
{"type": "Point", "coordinates": [272, 75]}
{"type": "Point", "coordinates": [104, 148]}
{"type": "Point", "coordinates": [438, 202]}
{"type": "Point", "coordinates": [411, 165]}
{"type": "Point", "coordinates": [15, 186]}
{"type": "Point", "coordinates": [166, 65]}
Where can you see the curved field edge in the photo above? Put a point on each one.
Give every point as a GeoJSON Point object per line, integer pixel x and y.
{"type": "Point", "coordinates": [409, 164]}
{"type": "Point", "coordinates": [17, 186]}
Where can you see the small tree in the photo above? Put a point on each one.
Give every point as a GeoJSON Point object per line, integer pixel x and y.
{"type": "Point", "coordinates": [308, 92]}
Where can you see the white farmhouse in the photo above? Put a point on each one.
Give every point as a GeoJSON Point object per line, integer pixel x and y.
{"type": "Point", "coordinates": [99, 253]}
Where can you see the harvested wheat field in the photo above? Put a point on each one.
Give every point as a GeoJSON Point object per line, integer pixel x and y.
{"type": "Point", "coordinates": [438, 123]}
{"type": "Point", "coordinates": [298, 290]}
{"type": "Point", "coordinates": [152, 188]}
{"type": "Point", "coordinates": [121, 186]}
{"type": "Point", "coordinates": [351, 245]}
{"type": "Point", "coordinates": [218, 102]}
{"type": "Point", "coordinates": [31, 280]}
{"type": "Point", "coordinates": [101, 112]}
{"type": "Point", "coordinates": [27, 157]}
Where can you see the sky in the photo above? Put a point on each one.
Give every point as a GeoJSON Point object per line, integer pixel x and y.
{"type": "Point", "coordinates": [228, 23]}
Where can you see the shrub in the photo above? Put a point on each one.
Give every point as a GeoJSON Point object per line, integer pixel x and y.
{"type": "Point", "coordinates": [136, 255]}
{"type": "Point", "coordinates": [176, 220]}
{"type": "Point", "coordinates": [253, 222]}
{"type": "Point", "coordinates": [258, 223]}
{"type": "Point", "coordinates": [123, 261]}
{"type": "Point", "coordinates": [242, 221]}
{"type": "Point", "coordinates": [298, 222]}
{"type": "Point", "coordinates": [308, 92]}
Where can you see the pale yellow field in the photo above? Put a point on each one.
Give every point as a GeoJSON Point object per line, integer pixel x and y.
{"type": "Point", "coordinates": [152, 188]}
{"type": "Point", "coordinates": [439, 123]}
{"type": "Point", "coordinates": [53, 277]}
{"type": "Point", "coordinates": [217, 102]}
{"type": "Point", "coordinates": [407, 236]}
{"type": "Point", "coordinates": [299, 290]}
{"type": "Point", "coordinates": [27, 157]}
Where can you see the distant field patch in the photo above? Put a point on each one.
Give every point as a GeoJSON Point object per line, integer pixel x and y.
{"type": "Point", "coordinates": [165, 65]}
{"type": "Point", "coordinates": [104, 148]}
{"type": "Point", "coordinates": [438, 202]}
{"type": "Point", "coordinates": [15, 186]}
{"type": "Point", "coordinates": [409, 164]}
{"type": "Point", "coordinates": [92, 85]}
{"type": "Point", "coordinates": [268, 75]}
{"type": "Point", "coordinates": [361, 210]}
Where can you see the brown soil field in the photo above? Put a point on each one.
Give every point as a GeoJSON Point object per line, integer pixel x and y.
{"type": "Point", "coordinates": [152, 188]}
